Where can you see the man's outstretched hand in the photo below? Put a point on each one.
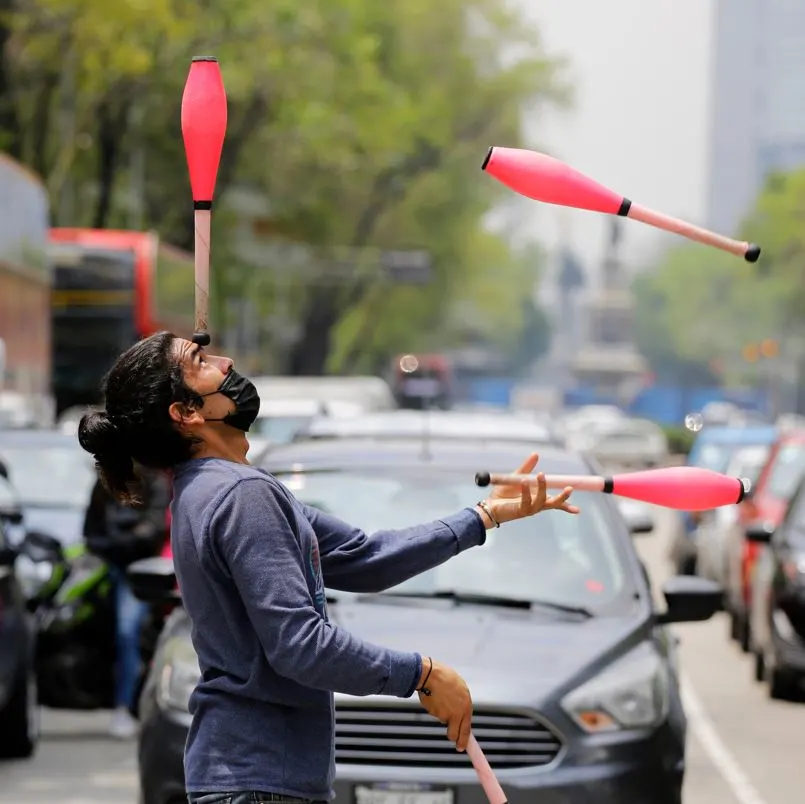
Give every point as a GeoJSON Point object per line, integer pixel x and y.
{"type": "Point", "coordinates": [520, 500]}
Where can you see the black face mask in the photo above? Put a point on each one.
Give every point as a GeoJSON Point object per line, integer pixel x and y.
{"type": "Point", "coordinates": [242, 392]}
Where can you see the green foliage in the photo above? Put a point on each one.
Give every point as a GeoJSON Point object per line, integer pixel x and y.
{"type": "Point", "coordinates": [680, 440]}
{"type": "Point", "coordinates": [361, 123]}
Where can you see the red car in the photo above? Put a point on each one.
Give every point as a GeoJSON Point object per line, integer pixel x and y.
{"type": "Point", "coordinates": [766, 504]}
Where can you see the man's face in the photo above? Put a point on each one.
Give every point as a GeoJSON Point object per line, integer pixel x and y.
{"type": "Point", "coordinates": [204, 373]}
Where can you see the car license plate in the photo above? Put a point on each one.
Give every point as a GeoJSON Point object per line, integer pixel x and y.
{"type": "Point", "coordinates": [402, 793]}
{"type": "Point", "coordinates": [421, 387]}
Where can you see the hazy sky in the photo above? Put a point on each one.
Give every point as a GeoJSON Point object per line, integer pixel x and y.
{"type": "Point", "coordinates": [640, 69]}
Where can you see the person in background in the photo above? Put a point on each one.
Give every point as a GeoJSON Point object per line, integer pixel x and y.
{"type": "Point", "coordinates": [120, 535]}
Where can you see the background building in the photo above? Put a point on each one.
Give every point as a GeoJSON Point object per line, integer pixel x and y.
{"type": "Point", "coordinates": [758, 102]}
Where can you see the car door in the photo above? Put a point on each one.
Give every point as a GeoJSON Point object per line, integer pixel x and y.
{"type": "Point", "coordinates": [788, 543]}
{"type": "Point", "coordinates": [9, 602]}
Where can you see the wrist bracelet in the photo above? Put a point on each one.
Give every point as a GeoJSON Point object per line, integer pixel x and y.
{"type": "Point", "coordinates": [485, 508]}
{"type": "Point", "coordinates": [423, 689]}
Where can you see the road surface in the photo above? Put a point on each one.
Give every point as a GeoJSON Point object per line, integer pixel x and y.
{"type": "Point", "coordinates": [744, 748]}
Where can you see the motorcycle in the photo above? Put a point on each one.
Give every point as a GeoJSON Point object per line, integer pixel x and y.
{"type": "Point", "coordinates": [74, 610]}
{"type": "Point", "coordinates": [73, 604]}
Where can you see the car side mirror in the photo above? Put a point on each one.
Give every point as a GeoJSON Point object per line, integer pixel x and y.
{"type": "Point", "coordinates": [8, 556]}
{"type": "Point", "coordinates": [41, 547]}
{"type": "Point", "coordinates": [639, 522]}
{"type": "Point", "coordinates": [11, 515]}
{"type": "Point", "coordinates": [637, 517]}
{"type": "Point", "coordinates": [153, 580]}
{"type": "Point", "coordinates": [759, 532]}
{"type": "Point", "coordinates": [690, 599]}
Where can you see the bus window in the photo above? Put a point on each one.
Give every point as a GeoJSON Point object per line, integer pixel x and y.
{"type": "Point", "coordinates": [93, 309]}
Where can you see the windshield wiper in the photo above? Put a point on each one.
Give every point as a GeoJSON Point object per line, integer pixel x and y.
{"type": "Point", "coordinates": [517, 603]}
{"type": "Point", "coordinates": [481, 599]}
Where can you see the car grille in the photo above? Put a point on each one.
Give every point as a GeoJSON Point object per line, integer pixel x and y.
{"type": "Point", "coordinates": [405, 736]}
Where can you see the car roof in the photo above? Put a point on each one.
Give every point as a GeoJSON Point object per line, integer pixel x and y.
{"type": "Point", "coordinates": [417, 424]}
{"type": "Point", "coordinates": [37, 438]}
{"type": "Point", "coordinates": [791, 437]}
{"type": "Point", "coordinates": [762, 434]}
{"type": "Point", "coordinates": [442, 454]}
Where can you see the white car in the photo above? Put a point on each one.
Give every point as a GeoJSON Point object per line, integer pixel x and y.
{"type": "Point", "coordinates": [622, 443]}
{"type": "Point", "coordinates": [712, 532]}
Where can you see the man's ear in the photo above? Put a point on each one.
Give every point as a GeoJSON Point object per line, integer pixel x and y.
{"type": "Point", "coordinates": [183, 414]}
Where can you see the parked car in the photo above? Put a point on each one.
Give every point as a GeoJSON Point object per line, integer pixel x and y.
{"type": "Point", "coordinates": [53, 477]}
{"type": "Point", "coordinates": [370, 393]}
{"type": "Point", "coordinates": [712, 531]}
{"type": "Point", "coordinates": [423, 425]}
{"type": "Point", "coordinates": [777, 614]}
{"type": "Point", "coordinates": [574, 673]}
{"type": "Point", "coordinates": [765, 506]}
{"type": "Point", "coordinates": [19, 715]}
{"type": "Point", "coordinates": [280, 420]}
{"type": "Point", "coordinates": [624, 443]}
{"type": "Point", "coordinates": [713, 449]}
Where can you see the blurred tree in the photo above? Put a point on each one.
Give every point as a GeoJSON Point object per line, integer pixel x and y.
{"type": "Point", "coordinates": [702, 305]}
{"type": "Point", "coordinates": [362, 123]}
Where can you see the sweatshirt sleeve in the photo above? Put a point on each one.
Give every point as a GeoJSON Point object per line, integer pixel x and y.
{"type": "Point", "coordinates": [352, 561]}
{"type": "Point", "coordinates": [252, 535]}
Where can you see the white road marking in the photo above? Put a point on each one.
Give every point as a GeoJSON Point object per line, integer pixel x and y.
{"type": "Point", "coordinates": [716, 749]}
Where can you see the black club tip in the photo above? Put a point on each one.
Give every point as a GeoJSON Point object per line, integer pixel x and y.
{"type": "Point", "coordinates": [201, 338]}
{"type": "Point", "coordinates": [482, 479]}
{"type": "Point", "coordinates": [752, 253]}
{"type": "Point", "coordinates": [204, 58]}
{"type": "Point", "coordinates": [488, 157]}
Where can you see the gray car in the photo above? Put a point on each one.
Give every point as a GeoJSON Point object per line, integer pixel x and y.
{"type": "Point", "coordinates": [573, 672]}
{"type": "Point", "coordinates": [53, 477]}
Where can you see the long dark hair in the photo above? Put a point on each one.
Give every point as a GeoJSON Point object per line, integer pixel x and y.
{"type": "Point", "coordinates": [136, 427]}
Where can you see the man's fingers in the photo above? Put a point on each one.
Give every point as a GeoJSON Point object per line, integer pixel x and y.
{"type": "Point", "coordinates": [529, 464]}
{"type": "Point", "coordinates": [525, 496]}
{"type": "Point", "coordinates": [538, 502]}
{"type": "Point", "coordinates": [560, 502]}
{"type": "Point", "coordinates": [464, 731]}
{"type": "Point", "coordinates": [560, 499]}
{"type": "Point", "coordinates": [453, 729]}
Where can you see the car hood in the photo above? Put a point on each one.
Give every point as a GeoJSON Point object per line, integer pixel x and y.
{"type": "Point", "coordinates": [507, 656]}
{"type": "Point", "coordinates": [65, 524]}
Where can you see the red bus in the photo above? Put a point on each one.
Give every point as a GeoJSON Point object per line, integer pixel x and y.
{"type": "Point", "coordinates": [24, 281]}
{"type": "Point", "coordinates": [109, 289]}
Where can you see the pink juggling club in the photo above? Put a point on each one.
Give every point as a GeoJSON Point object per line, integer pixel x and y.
{"type": "Point", "coordinates": [543, 178]}
{"type": "Point", "coordinates": [486, 776]}
{"type": "Point", "coordinates": [684, 488]}
{"type": "Point", "coordinates": [204, 116]}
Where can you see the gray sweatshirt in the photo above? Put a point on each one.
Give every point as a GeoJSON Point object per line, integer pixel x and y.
{"type": "Point", "coordinates": [252, 563]}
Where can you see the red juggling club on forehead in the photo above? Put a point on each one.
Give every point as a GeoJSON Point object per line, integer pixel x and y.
{"type": "Point", "coordinates": [203, 131]}
{"type": "Point", "coordinates": [543, 178]}
{"type": "Point", "coordinates": [685, 488]}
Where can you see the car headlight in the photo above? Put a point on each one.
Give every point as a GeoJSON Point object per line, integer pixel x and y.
{"type": "Point", "coordinates": [631, 693]}
{"type": "Point", "coordinates": [32, 575]}
{"type": "Point", "coordinates": [179, 674]}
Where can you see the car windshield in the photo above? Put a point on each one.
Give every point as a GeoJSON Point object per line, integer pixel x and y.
{"type": "Point", "coordinates": [787, 471]}
{"type": "Point", "coordinates": [554, 557]}
{"type": "Point", "coordinates": [48, 475]}
{"type": "Point", "coordinates": [280, 429]}
{"type": "Point", "coordinates": [748, 463]}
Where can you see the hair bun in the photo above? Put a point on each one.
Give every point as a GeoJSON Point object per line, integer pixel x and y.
{"type": "Point", "coordinates": [97, 434]}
